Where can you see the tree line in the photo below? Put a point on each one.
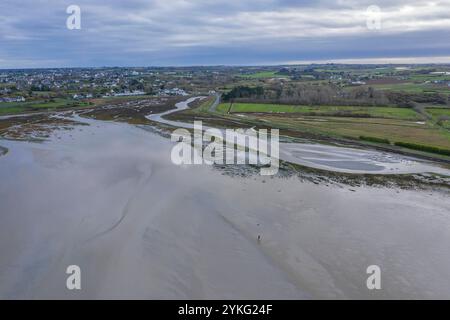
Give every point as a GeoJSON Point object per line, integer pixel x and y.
{"type": "Point", "coordinates": [329, 94]}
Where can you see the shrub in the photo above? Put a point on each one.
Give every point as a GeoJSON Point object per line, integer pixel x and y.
{"type": "Point", "coordinates": [423, 148]}
{"type": "Point", "coordinates": [374, 139]}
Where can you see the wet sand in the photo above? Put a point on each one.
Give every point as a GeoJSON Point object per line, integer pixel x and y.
{"type": "Point", "coordinates": [107, 198]}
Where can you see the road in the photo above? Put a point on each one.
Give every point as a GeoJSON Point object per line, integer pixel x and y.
{"type": "Point", "coordinates": [213, 107]}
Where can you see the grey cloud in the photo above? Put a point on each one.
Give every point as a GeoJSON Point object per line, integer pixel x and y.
{"type": "Point", "coordinates": [149, 32]}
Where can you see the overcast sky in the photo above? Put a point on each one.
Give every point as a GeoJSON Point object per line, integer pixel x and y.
{"type": "Point", "coordinates": [33, 33]}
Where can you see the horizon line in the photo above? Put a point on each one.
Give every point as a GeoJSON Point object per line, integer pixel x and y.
{"type": "Point", "coordinates": [441, 60]}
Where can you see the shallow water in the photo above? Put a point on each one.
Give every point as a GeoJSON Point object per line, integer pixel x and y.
{"type": "Point", "coordinates": [107, 198]}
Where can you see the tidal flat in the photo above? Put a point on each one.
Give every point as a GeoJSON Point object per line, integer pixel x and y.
{"type": "Point", "coordinates": [106, 197]}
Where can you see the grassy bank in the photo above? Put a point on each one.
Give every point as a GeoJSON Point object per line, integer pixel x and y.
{"type": "Point", "coordinates": [40, 105]}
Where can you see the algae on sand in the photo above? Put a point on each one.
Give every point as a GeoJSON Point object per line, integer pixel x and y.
{"type": "Point", "coordinates": [3, 151]}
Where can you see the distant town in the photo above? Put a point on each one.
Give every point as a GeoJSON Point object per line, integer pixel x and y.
{"type": "Point", "coordinates": [43, 85]}
{"type": "Point", "coordinates": [78, 84]}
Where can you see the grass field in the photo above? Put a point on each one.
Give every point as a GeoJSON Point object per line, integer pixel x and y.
{"type": "Point", "coordinates": [259, 75]}
{"type": "Point", "coordinates": [437, 112]}
{"type": "Point", "coordinates": [411, 87]}
{"type": "Point", "coordinates": [395, 130]}
{"type": "Point", "coordinates": [429, 77]}
{"type": "Point", "coordinates": [375, 112]}
{"type": "Point", "coordinates": [21, 107]}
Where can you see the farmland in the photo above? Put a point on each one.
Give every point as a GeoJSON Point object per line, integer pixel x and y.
{"type": "Point", "coordinates": [394, 130]}
{"type": "Point", "coordinates": [374, 112]}
{"type": "Point", "coordinates": [259, 75]}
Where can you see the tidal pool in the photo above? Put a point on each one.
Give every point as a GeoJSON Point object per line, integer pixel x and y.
{"type": "Point", "coordinates": [107, 198]}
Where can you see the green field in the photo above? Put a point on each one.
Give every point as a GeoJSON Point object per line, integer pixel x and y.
{"type": "Point", "coordinates": [429, 77]}
{"type": "Point", "coordinates": [413, 87]}
{"type": "Point", "coordinates": [375, 112]}
{"type": "Point", "coordinates": [437, 112]}
{"type": "Point", "coordinates": [260, 75]}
